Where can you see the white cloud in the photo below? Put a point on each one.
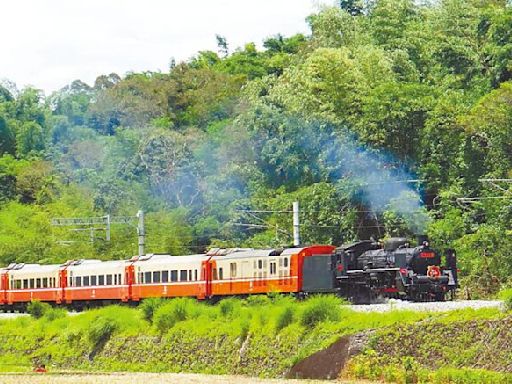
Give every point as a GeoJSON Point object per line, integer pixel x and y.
{"type": "Point", "coordinates": [49, 43]}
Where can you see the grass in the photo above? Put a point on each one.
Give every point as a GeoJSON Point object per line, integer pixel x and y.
{"type": "Point", "coordinates": [261, 336]}
{"type": "Point", "coordinates": [372, 367]}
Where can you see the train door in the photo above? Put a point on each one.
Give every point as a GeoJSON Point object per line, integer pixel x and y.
{"type": "Point", "coordinates": [206, 276]}
{"type": "Point", "coordinates": [4, 279]}
{"type": "Point", "coordinates": [63, 283]}
{"type": "Point", "coordinates": [246, 274]}
{"type": "Point", "coordinates": [129, 277]}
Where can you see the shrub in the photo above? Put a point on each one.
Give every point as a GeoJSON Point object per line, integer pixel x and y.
{"type": "Point", "coordinates": [37, 309]}
{"type": "Point", "coordinates": [175, 310]}
{"type": "Point", "coordinates": [320, 308]}
{"type": "Point", "coordinates": [149, 307]}
{"type": "Point", "coordinates": [100, 330]}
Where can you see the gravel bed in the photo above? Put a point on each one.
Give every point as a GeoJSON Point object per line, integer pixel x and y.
{"type": "Point", "coordinates": [436, 306]}
{"type": "Point", "coordinates": [144, 378]}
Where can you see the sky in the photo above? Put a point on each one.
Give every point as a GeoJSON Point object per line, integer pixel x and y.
{"type": "Point", "coordinates": [49, 43]}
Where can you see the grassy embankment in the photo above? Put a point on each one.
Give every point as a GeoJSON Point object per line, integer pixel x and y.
{"type": "Point", "coordinates": [259, 336]}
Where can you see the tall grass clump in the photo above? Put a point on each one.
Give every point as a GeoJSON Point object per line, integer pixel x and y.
{"type": "Point", "coordinates": [100, 330]}
{"type": "Point", "coordinates": [54, 314]}
{"type": "Point", "coordinates": [285, 317]}
{"type": "Point", "coordinates": [149, 306]}
{"type": "Point", "coordinates": [229, 307]}
{"type": "Point", "coordinates": [506, 296]}
{"type": "Point", "coordinates": [320, 308]}
{"type": "Point", "coordinates": [173, 311]}
{"type": "Point", "coordinates": [257, 301]}
{"type": "Point", "coordinates": [37, 309]}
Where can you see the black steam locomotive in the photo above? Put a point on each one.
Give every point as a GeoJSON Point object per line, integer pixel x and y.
{"type": "Point", "coordinates": [368, 271]}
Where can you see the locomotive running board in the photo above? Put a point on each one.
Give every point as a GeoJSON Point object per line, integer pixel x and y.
{"type": "Point", "coordinates": [357, 271]}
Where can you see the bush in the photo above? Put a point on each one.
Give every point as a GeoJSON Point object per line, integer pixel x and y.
{"type": "Point", "coordinates": [100, 330]}
{"type": "Point", "coordinates": [175, 310]}
{"type": "Point", "coordinates": [320, 308]}
{"type": "Point", "coordinates": [149, 307]}
{"type": "Point", "coordinates": [37, 309]}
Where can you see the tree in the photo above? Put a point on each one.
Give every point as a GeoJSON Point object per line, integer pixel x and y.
{"type": "Point", "coordinates": [7, 138]}
{"type": "Point", "coordinates": [222, 44]}
{"type": "Point", "coordinates": [353, 7]}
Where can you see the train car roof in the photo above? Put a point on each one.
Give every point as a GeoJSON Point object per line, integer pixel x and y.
{"type": "Point", "coordinates": [169, 259]}
{"type": "Point", "coordinates": [24, 268]}
{"type": "Point", "coordinates": [94, 265]}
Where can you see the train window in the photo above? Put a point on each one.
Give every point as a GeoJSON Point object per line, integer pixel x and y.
{"type": "Point", "coordinates": [38, 283]}
{"type": "Point", "coordinates": [101, 280]}
{"type": "Point", "coordinates": [17, 284]}
{"type": "Point", "coordinates": [140, 279]}
{"type": "Point", "coordinates": [109, 279]}
{"type": "Point", "coordinates": [215, 274]}
{"type": "Point", "coordinates": [189, 275]}
{"type": "Point", "coordinates": [25, 283]}
{"type": "Point", "coordinates": [183, 275]}
{"type": "Point", "coordinates": [32, 283]}
{"type": "Point", "coordinates": [147, 277]}
{"type": "Point", "coordinates": [45, 282]}
{"type": "Point", "coordinates": [273, 268]}
{"type": "Point", "coordinates": [119, 279]}
{"type": "Point", "coordinates": [93, 280]}
{"type": "Point", "coordinates": [260, 264]}
{"type": "Point", "coordinates": [232, 269]}
{"type": "Point", "coordinates": [86, 281]}
{"type": "Point", "coordinates": [78, 281]}
{"type": "Point", "coordinates": [165, 276]}
{"type": "Point", "coordinates": [54, 285]}
{"type": "Point", "coordinates": [221, 275]}
{"type": "Point", "coordinates": [285, 261]}
{"type": "Point", "coordinates": [280, 262]}
{"type": "Point", "coordinates": [174, 275]}
{"type": "Point", "coordinates": [156, 276]}
{"type": "Point", "coordinates": [195, 274]}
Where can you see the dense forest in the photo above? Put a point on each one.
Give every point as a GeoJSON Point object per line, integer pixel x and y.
{"type": "Point", "coordinates": [391, 118]}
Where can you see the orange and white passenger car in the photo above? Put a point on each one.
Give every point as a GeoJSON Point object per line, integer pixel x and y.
{"type": "Point", "coordinates": [220, 272]}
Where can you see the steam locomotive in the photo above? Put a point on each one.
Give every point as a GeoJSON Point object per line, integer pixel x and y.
{"type": "Point", "coordinates": [367, 271]}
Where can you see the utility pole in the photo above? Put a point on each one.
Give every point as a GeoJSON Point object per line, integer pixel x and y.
{"type": "Point", "coordinates": [141, 232]}
{"type": "Point", "coordinates": [296, 236]}
{"type": "Point", "coordinates": [103, 223]}
{"type": "Point", "coordinates": [107, 227]}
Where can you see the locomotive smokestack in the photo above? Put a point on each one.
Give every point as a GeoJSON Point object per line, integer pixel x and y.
{"type": "Point", "coordinates": [421, 239]}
